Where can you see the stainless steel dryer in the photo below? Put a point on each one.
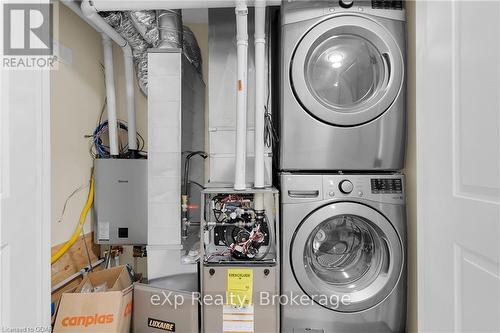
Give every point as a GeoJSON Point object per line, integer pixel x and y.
{"type": "Point", "coordinates": [343, 85]}
{"type": "Point", "coordinates": [344, 253]}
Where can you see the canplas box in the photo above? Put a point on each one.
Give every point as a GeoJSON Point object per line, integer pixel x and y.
{"type": "Point", "coordinates": [108, 311]}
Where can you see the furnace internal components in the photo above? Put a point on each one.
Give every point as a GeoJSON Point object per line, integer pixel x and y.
{"type": "Point", "coordinates": [238, 226]}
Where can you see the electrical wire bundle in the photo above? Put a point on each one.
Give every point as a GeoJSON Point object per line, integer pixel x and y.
{"type": "Point", "coordinates": [98, 147]}
{"type": "Point", "coordinates": [239, 229]}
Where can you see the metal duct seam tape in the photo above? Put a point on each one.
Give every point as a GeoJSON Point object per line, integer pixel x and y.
{"type": "Point", "coordinates": [170, 27]}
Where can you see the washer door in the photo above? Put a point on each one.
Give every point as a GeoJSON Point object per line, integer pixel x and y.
{"type": "Point", "coordinates": [347, 70]}
{"type": "Point", "coordinates": [346, 257]}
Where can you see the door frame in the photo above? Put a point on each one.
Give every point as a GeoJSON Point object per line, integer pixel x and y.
{"type": "Point", "coordinates": [39, 151]}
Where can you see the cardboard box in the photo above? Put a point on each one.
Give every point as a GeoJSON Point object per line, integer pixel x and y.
{"type": "Point", "coordinates": [98, 312]}
{"type": "Point", "coordinates": [167, 304]}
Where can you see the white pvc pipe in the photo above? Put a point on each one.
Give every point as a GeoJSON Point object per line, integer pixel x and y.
{"type": "Point", "coordinates": [110, 95]}
{"type": "Point", "coordinates": [241, 97]}
{"type": "Point", "coordinates": [259, 201]}
{"type": "Point", "coordinates": [90, 14]}
{"type": "Point", "coordinates": [129, 89]}
{"type": "Point", "coordinates": [260, 89]}
{"type": "Point", "coordinates": [110, 5]}
{"type": "Point", "coordinates": [76, 8]}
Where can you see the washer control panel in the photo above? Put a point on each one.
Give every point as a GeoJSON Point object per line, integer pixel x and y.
{"type": "Point", "coordinates": [385, 188]}
{"type": "Point", "coordinates": [301, 188]}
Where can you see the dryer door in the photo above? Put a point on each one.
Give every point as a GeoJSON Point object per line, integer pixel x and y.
{"type": "Point", "coordinates": [347, 70]}
{"type": "Point", "coordinates": [346, 257]}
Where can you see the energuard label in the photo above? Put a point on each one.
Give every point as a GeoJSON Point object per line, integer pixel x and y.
{"type": "Point", "coordinates": [161, 325]}
{"type": "Point", "coordinates": [239, 287]}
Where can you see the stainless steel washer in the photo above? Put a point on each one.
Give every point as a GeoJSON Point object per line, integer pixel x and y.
{"type": "Point", "coordinates": [344, 253]}
{"type": "Point", "coordinates": [343, 86]}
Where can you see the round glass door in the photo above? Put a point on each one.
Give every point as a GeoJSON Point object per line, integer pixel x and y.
{"type": "Point", "coordinates": [347, 261]}
{"type": "Point", "coordinates": [344, 71]}
{"type": "Point", "coordinates": [347, 71]}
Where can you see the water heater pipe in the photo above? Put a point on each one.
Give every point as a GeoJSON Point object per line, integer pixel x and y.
{"type": "Point", "coordinates": [130, 92]}
{"type": "Point", "coordinates": [241, 97]}
{"type": "Point", "coordinates": [107, 45]}
{"type": "Point", "coordinates": [260, 89]}
{"type": "Point", "coordinates": [91, 14]}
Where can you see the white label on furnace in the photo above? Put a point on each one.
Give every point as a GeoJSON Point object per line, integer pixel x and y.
{"type": "Point", "coordinates": [238, 319]}
{"type": "Point", "coordinates": [103, 232]}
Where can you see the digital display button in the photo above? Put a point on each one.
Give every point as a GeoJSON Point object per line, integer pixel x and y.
{"type": "Point", "coordinates": [386, 185]}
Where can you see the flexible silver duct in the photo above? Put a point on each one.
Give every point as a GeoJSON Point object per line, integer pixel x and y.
{"type": "Point", "coordinates": [170, 27]}
{"type": "Point", "coordinates": [147, 28]}
{"type": "Point", "coordinates": [145, 22]}
{"type": "Point", "coordinates": [191, 48]}
{"type": "Point", "coordinates": [124, 25]}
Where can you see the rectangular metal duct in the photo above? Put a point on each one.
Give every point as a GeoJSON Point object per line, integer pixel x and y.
{"type": "Point", "coordinates": [176, 124]}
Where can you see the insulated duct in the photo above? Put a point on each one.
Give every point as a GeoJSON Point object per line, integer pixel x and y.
{"type": "Point", "coordinates": [123, 24]}
{"type": "Point", "coordinates": [145, 23]}
{"type": "Point", "coordinates": [170, 27]}
{"type": "Point", "coordinates": [151, 29]}
{"type": "Point", "coordinates": [191, 48]}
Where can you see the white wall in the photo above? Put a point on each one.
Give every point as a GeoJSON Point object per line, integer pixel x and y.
{"type": "Point", "coordinates": [77, 95]}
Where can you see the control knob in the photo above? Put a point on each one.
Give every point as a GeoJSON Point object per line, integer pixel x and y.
{"type": "Point", "coordinates": [346, 186]}
{"type": "Point", "coordinates": [346, 3]}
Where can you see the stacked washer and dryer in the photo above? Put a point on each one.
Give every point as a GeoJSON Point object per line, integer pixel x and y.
{"type": "Point", "coordinates": [342, 146]}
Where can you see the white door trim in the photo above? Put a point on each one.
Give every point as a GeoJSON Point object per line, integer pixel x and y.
{"type": "Point", "coordinates": [39, 202]}
{"type": "Point", "coordinates": [458, 165]}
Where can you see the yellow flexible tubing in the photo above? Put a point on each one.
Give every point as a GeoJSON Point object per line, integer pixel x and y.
{"type": "Point", "coordinates": [83, 217]}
